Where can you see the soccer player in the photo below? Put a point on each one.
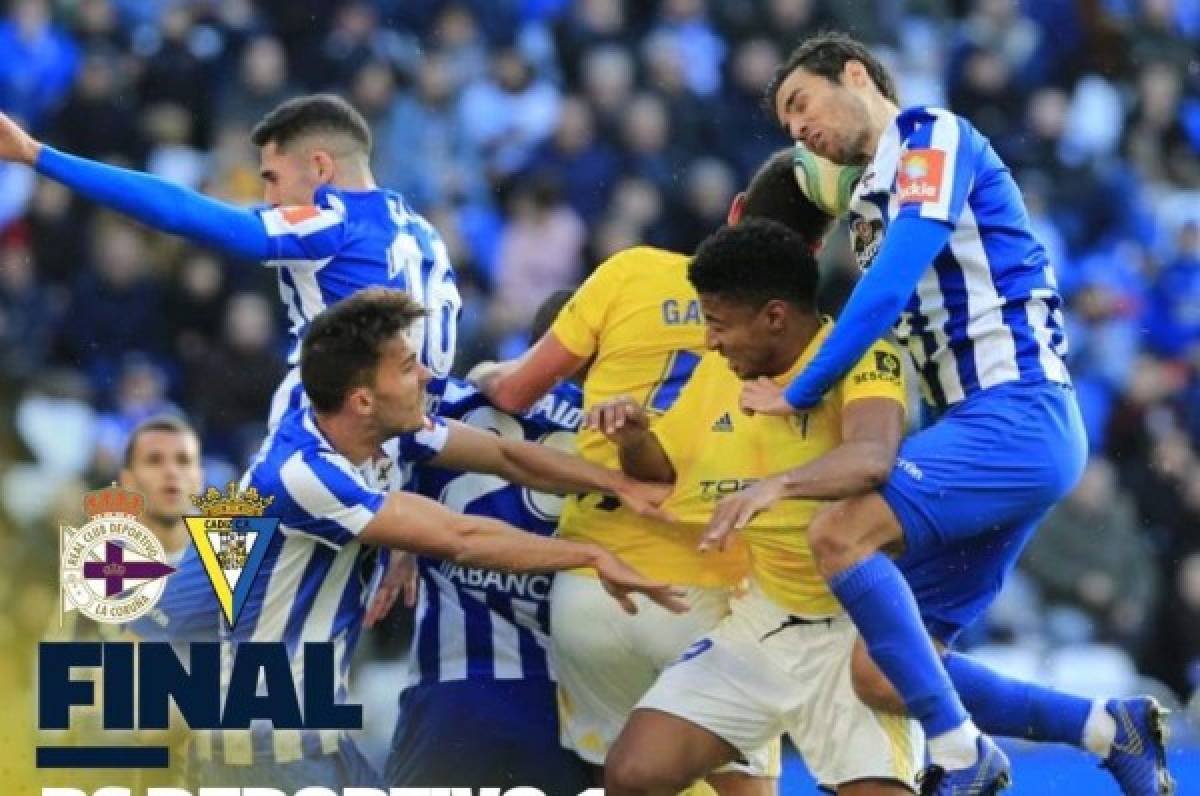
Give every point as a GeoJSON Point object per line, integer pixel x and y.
{"type": "Point", "coordinates": [162, 463]}
{"type": "Point", "coordinates": [333, 468]}
{"type": "Point", "coordinates": [326, 229]}
{"type": "Point", "coordinates": [952, 267]}
{"type": "Point", "coordinates": [637, 321]}
{"type": "Point", "coordinates": [479, 710]}
{"type": "Point", "coordinates": [781, 662]}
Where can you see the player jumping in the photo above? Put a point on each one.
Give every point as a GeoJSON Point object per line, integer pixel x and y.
{"type": "Point", "coordinates": [327, 229]}
{"type": "Point", "coordinates": [952, 266]}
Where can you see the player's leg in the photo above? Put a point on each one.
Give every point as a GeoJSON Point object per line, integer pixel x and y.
{"type": "Point", "coordinates": [659, 754]}
{"type": "Point", "coordinates": [719, 705]}
{"type": "Point", "coordinates": [848, 746]}
{"type": "Point", "coordinates": [847, 540]}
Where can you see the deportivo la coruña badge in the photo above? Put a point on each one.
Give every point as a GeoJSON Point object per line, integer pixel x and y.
{"type": "Point", "coordinates": [112, 569]}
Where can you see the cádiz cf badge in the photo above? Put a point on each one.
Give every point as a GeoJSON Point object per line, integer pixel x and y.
{"type": "Point", "coordinates": [231, 538]}
{"type": "Point", "coordinates": [112, 568]}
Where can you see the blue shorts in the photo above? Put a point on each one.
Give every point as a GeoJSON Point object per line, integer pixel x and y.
{"type": "Point", "coordinates": [970, 490]}
{"type": "Point", "coordinates": [480, 734]}
{"type": "Point", "coordinates": [345, 768]}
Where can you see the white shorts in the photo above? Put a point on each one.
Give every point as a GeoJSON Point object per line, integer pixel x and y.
{"type": "Point", "coordinates": [606, 659]}
{"type": "Point", "coordinates": [758, 675]}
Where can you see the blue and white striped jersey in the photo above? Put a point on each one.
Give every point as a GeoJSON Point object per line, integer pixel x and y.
{"type": "Point", "coordinates": [475, 624]}
{"type": "Point", "coordinates": [988, 310]}
{"type": "Point", "coordinates": [315, 580]}
{"type": "Point", "coordinates": [350, 240]}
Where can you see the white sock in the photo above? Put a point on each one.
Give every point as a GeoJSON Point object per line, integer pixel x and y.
{"type": "Point", "coordinates": [1099, 731]}
{"type": "Point", "coordinates": [955, 749]}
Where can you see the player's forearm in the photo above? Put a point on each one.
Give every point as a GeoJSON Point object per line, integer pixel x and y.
{"type": "Point", "coordinates": [490, 544]}
{"type": "Point", "coordinates": [545, 469]}
{"type": "Point", "coordinates": [642, 457]}
{"type": "Point", "coordinates": [852, 468]}
{"type": "Point", "coordinates": [507, 391]}
{"type": "Point", "coordinates": [908, 249]}
{"type": "Point", "coordinates": [160, 204]}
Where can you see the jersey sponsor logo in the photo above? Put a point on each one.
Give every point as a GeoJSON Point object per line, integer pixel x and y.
{"type": "Point", "coordinates": [919, 178]}
{"type": "Point", "coordinates": [231, 538]}
{"type": "Point", "coordinates": [534, 587]}
{"type": "Point", "coordinates": [723, 423]}
{"type": "Point", "coordinates": [296, 215]}
{"type": "Point", "coordinates": [717, 488]}
{"type": "Point", "coordinates": [887, 368]}
{"type": "Point", "coordinates": [111, 570]}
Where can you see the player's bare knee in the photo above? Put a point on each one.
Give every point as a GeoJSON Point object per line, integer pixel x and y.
{"type": "Point", "coordinates": [633, 774]}
{"type": "Point", "coordinates": [831, 538]}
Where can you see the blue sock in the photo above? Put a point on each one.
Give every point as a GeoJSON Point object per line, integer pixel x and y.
{"type": "Point", "coordinates": [1015, 709]}
{"type": "Point", "coordinates": [882, 606]}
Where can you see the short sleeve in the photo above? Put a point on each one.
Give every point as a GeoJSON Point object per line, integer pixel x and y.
{"type": "Point", "coordinates": [936, 167]}
{"type": "Point", "coordinates": [327, 498]}
{"type": "Point", "coordinates": [879, 374]}
{"type": "Point", "coordinates": [580, 322]}
{"type": "Point", "coordinates": [305, 234]}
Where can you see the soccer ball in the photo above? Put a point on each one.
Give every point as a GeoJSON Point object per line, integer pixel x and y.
{"type": "Point", "coordinates": [826, 184]}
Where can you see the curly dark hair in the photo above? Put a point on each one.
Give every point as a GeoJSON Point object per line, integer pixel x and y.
{"type": "Point", "coordinates": [774, 194]}
{"type": "Point", "coordinates": [344, 344]}
{"type": "Point", "coordinates": [826, 54]}
{"type": "Point", "coordinates": [756, 261]}
{"type": "Point", "coordinates": [313, 113]}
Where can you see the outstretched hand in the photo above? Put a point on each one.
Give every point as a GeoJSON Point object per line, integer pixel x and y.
{"type": "Point", "coordinates": [16, 145]}
{"type": "Point", "coordinates": [621, 580]}
{"type": "Point", "coordinates": [400, 578]}
{"type": "Point", "coordinates": [734, 512]}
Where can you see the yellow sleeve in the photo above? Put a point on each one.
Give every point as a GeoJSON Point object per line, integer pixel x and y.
{"type": "Point", "coordinates": [676, 428]}
{"type": "Point", "coordinates": [580, 322]}
{"type": "Point", "coordinates": [879, 374]}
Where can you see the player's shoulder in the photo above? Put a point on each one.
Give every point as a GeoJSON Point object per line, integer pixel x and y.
{"type": "Point", "coordinates": [929, 125]}
{"type": "Point", "coordinates": [637, 260]}
{"type": "Point", "coordinates": [460, 397]}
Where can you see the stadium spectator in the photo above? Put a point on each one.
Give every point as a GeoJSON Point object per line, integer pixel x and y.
{"type": "Point", "coordinates": [38, 61]}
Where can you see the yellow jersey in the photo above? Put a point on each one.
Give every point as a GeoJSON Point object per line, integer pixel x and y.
{"type": "Point", "coordinates": [637, 317]}
{"type": "Point", "coordinates": [717, 450]}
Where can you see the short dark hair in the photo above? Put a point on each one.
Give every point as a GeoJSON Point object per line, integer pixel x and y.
{"type": "Point", "coordinates": [774, 194]}
{"type": "Point", "coordinates": [344, 344]}
{"type": "Point", "coordinates": [826, 54]}
{"type": "Point", "coordinates": [171, 423]}
{"type": "Point", "coordinates": [547, 312]}
{"type": "Point", "coordinates": [756, 261]}
{"type": "Point", "coordinates": [313, 113]}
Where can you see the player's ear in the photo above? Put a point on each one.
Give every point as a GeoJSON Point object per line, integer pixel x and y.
{"type": "Point", "coordinates": [323, 166]}
{"type": "Point", "coordinates": [855, 74]}
{"type": "Point", "coordinates": [736, 209]}
{"type": "Point", "coordinates": [775, 313]}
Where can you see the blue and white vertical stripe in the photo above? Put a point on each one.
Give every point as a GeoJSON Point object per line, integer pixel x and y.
{"type": "Point", "coordinates": [350, 240]}
{"type": "Point", "coordinates": [475, 624]}
{"type": "Point", "coordinates": [987, 311]}
{"type": "Point", "coordinates": [316, 578]}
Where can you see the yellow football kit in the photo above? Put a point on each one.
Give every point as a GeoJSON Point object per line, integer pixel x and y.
{"type": "Point", "coordinates": [717, 450]}
{"type": "Point", "coordinates": [640, 319]}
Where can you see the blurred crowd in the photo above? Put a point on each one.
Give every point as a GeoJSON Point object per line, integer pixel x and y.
{"type": "Point", "coordinates": [540, 136]}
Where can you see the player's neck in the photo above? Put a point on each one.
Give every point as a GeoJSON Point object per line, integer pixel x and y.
{"type": "Point", "coordinates": [348, 436]}
{"type": "Point", "coordinates": [805, 328]}
{"type": "Point", "coordinates": [882, 112]}
{"type": "Point", "coordinates": [354, 176]}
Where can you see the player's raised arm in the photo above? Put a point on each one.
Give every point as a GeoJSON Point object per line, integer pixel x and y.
{"type": "Point", "coordinates": [417, 524]}
{"type": "Point", "coordinates": [153, 201]}
{"type": "Point", "coordinates": [543, 468]}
